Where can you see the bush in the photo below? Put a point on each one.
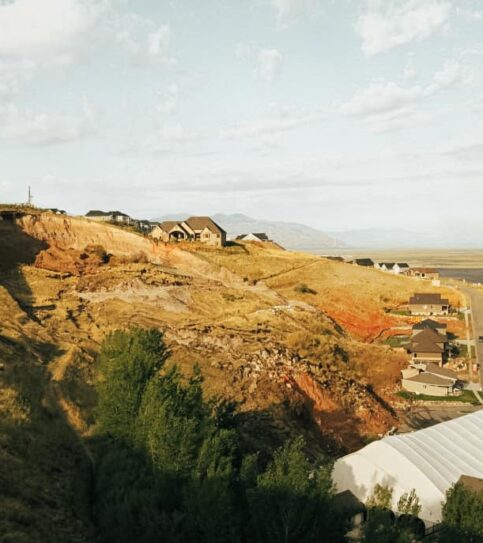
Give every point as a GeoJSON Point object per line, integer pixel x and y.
{"type": "Point", "coordinates": [304, 289]}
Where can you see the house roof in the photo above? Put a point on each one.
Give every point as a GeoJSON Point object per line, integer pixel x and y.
{"type": "Point", "coordinates": [428, 298]}
{"type": "Point", "coordinates": [167, 226]}
{"type": "Point", "coordinates": [260, 235]}
{"type": "Point", "coordinates": [429, 334]}
{"type": "Point", "coordinates": [441, 372]}
{"type": "Point", "coordinates": [97, 213]}
{"type": "Point", "coordinates": [388, 265]}
{"type": "Point", "coordinates": [426, 343]}
{"type": "Point", "coordinates": [403, 264]}
{"type": "Point", "coordinates": [430, 379]}
{"type": "Point", "coordinates": [474, 484]}
{"type": "Point", "coordinates": [200, 223]}
{"type": "Point", "coordinates": [430, 323]}
{"type": "Point", "coordinates": [364, 262]}
{"type": "Point", "coordinates": [426, 270]}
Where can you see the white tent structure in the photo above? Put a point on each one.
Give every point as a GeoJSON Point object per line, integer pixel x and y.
{"type": "Point", "coordinates": [429, 460]}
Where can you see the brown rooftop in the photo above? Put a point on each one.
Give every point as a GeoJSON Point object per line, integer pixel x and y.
{"type": "Point", "coordinates": [200, 223]}
{"type": "Point", "coordinates": [440, 372]}
{"type": "Point", "coordinates": [430, 379]}
{"type": "Point", "coordinates": [428, 298]}
{"type": "Point", "coordinates": [429, 323]}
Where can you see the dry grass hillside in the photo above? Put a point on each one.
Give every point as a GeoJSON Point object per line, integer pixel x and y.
{"type": "Point", "coordinates": [291, 337]}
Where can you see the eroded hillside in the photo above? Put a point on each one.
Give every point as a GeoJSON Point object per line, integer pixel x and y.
{"type": "Point", "coordinates": [295, 360]}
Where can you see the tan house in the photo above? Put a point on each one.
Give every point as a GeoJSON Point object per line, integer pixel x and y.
{"type": "Point", "coordinates": [202, 229]}
{"type": "Point", "coordinates": [109, 216]}
{"type": "Point", "coordinates": [424, 273]}
{"type": "Point", "coordinates": [430, 379]}
{"type": "Point", "coordinates": [428, 304]}
{"type": "Point", "coordinates": [429, 346]}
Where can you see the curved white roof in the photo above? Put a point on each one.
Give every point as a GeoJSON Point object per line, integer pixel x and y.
{"type": "Point", "coordinates": [428, 460]}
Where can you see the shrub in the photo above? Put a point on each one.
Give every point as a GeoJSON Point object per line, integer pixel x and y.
{"type": "Point", "coordinates": [304, 289]}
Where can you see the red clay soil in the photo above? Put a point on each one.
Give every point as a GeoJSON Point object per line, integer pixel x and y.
{"type": "Point", "coordinates": [364, 325]}
{"type": "Point", "coordinates": [348, 427]}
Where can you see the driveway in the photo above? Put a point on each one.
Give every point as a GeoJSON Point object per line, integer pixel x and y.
{"type": "Point", "coordinates": [476, 302]}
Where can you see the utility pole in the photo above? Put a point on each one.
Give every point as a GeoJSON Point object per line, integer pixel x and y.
{"type": "Point", "coordinates": [30, 198]}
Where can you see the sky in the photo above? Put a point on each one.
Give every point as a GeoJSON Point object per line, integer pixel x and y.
{"type": "Point", "coordinates": [340, 114]}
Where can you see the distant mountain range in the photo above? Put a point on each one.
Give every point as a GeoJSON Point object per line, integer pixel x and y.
{"type": "Point", "coordinates": [289, 235]}
{"type": "Point", "coordinates": [301, 237]}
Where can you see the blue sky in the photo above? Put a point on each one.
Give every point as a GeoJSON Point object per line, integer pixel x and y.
{"type": "Point", "coordinates": [339, 114]}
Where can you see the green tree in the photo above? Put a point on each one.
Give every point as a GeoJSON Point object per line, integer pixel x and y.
{"type": "Point", "coordinates": [381, 497]}
{"type": "Point", "coordinates": [409, 504]}
{"type": "Point", "coordinates": [463, 515]}
{"type": "Point", "coordinates": [292, 501]}
{"type": "Point", "coordinates": [126, 363]}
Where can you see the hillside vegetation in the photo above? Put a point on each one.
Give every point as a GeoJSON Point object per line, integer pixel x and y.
{"type": "Point", "coordinates": [291, 339]}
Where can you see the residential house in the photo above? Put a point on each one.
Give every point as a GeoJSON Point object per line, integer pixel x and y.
{"type": "Point", "coordinates": [431, 324]}
{"type": "Point", "coordinates": [428, 304]}
{"type": "Point", "coordinates": [393, 267]}
{"type": "Point", "coordinates": [430, 379]}
{"type": "Point", "coordinates": [428, 345]}
{"type": "Point", "coordinates": [144, 225]}
{"type": "Point", "coordinates": [56, 211]}
{"type": "Point", "coordinates": [170, 231]}
{"type": "Point", "coordinates": [258, 236]}
{"type": "Point", "coordinates": [202, 229]}
{"type": "Point", "coordinates": [109, 216]}
{"type": "Point", "coordinates": [424, 273]}
{"type": "Point", "coordinates": [365, 262]}
{"type": "Point", "coordinates": [475, 484]}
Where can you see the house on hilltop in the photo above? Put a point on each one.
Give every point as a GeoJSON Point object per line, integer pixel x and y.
{"type": "Point", "coordinates": [393, 267]}
{"type": "Point", "coordinates": [202, 229]}
{"type": "Point", "coordinates": [109, 216]}
{"type": "Point", "coordinates": [364, 262]}
{"type": "Point", "coordinates": [428, 304]}
{"type": "Point", "coordinates": [252, 236]}
{"type": "Point", "coordinates": [424, 273]}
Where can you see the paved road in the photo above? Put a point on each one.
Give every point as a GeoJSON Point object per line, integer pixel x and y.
{"type": "Point", "coordinates": [476, 301]}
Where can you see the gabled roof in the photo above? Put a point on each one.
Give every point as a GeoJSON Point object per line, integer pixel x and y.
{"type": "Point", "coordinates": [364, 262]}
{"type": "Point", "coordinates": [388, 265]}
{"type": "Point", "coordinates": [428, 298]}
{"type": "Point", "coordinates": [429, 334]}
{"type": "Point", "coordinates": [430, 379]}
{"type": "Point", "coordinates": [403, 264]}
{"type": "Point", "coordinates": [444, 373]}
{"type": "Point", "coordinates": [200, 223]}
{"type": "Point", "coordinates": [260, 235]}
{"type": "Point", "coordinates": [430, 323]}
{"type": "Point", "coordinates": [97, 213]}
{"type": "Point", "coordinates": [167, 226]}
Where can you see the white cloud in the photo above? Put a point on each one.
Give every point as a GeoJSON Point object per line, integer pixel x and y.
{"type": "Point", "coordinates": [381, 98]}
{"type": "Point", "coordinates": [25, 127]}
{"type": "Point", "coordinates": [50, 33]}
{"type": "Point", "coordinates": [143, 43]}
{"type": "Point", "coordinates": [410, 70]}
{"type": "Point", "coordinates": [287, 10]}
{"type": "Point", "coordinates": [169, 100]}
{"type": "Point", "coordinates": [453, 74]}
{"type": "Point", "coordinates": [280, 120]}
{"type": "Point", "coordinates": [391, 23]}
{"type": "Point", "coordinates": [269, 64]}
{"type": "Point", "coordinates": [244, 51]}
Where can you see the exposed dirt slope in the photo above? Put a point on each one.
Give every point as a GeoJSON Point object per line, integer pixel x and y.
{"type": "Point", "coordinates": [296, 361]}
